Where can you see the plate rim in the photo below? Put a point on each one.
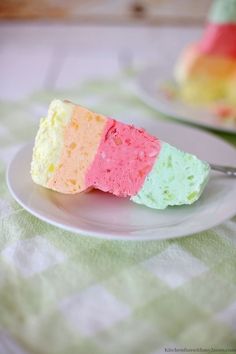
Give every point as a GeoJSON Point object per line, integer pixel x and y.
{"type": "Point", "coordinates": [135, 236]}
{"type": "Point", "coordinates": [150, 100]}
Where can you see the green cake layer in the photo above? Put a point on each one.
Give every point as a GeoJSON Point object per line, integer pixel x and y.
{"type": "Point", "coordinates": [176, 178]}
{"type": "Point", "coordinates": [223, 11]}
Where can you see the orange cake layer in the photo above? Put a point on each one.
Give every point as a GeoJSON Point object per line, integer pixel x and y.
{"type": "Point", "coordinates": [81, 140]}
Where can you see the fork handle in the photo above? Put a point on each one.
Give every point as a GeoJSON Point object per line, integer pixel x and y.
{"type": "Point", "coordinates": [229, 171]}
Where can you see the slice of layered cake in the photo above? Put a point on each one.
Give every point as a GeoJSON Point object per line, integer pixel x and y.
{"type": "Point", "coordinates": [76, 150]}
{"type": "Point", "coordinates": [206, 70]}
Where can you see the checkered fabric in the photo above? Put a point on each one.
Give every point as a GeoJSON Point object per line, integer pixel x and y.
{"type": "Point", "coordinates": [62, 293]}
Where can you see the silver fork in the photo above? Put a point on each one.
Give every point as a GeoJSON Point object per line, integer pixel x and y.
{"type": "Point", "coordinates": [229, 171]}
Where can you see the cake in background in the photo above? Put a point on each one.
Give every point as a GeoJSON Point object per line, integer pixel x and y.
{"type": "Point", "coordinates": [206, 71]}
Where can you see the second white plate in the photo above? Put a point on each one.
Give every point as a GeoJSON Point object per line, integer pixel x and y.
{"type": "Point", "coordinates": [150, 83]}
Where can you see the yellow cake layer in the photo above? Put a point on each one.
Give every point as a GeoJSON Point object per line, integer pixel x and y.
{"type": "Point", "coordinates": [49, 141]}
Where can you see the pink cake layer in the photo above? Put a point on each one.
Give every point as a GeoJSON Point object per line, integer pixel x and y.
{"type": "Point", "coordinates": [219, 40]}
{"type": "Point", "coordinates": [124, 158]}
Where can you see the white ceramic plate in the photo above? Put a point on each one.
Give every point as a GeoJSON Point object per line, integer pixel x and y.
{"type": "Point", "coordinates": [150, 83]}
{"type": "Point", "coordinates": [105, 216]}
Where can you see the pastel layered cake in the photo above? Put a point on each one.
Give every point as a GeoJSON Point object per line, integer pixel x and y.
{"type": "Point", "coordinates": [206, 71]}
{"type": "Point", "coordinates": [77, 150]}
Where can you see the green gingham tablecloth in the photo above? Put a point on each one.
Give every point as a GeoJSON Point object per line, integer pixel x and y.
{"type": "Point", "coordinates": [63, 293]}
